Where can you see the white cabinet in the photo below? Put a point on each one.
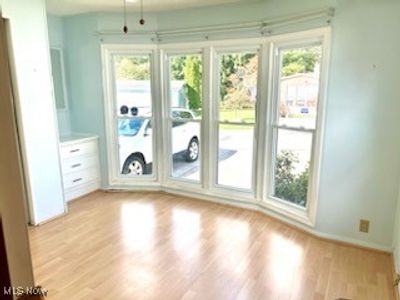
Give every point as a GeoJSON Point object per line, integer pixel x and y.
{"type": "Point", "coordinates": [80, 165]}
{"type": "Point", "coordinates": [34, 107]}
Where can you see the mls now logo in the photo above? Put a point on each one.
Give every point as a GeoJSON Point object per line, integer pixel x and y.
{"type": "Point", "coordinates": [25, 291]}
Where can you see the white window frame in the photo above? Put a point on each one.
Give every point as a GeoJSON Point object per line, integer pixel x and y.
{"type": "Point", "coordinates": [170, 180]}
{"type": "Point", "coordinates": [114, 176]}
{"type": "Point", "coordinates": [220, 189]}
{"type": "Point", "coordinates": [306, 215]}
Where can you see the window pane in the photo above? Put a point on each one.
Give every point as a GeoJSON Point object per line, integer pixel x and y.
{"type": "Point", "coordinates": [133, 86]}
{"type": "Point", "coordinates": [185, 85]}
{"type": "Point", "coordinates": [186, 150]}
{"type": "Point", "coordinates": [299, 86]}
{"type": "Point", "coordinates": [292, 166]}
{"type": "Point", "coordinates": [135, 140]}
{"type": "Point", "coordinates": [238, 87]}
{"type": "Point", "coordinates": [185, 88]}
{"type": "Point", "coordinates": [235, 155]}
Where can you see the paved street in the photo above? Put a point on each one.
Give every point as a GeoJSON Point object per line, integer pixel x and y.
{"type": "Point", "coordinates": [235, 156]}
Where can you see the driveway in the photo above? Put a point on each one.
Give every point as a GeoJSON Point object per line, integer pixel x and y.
{"type": "Point", "coordinates": [236, 156]}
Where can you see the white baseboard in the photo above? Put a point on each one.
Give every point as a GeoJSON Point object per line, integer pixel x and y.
{"type": "Point", "coordinates": [256, 207]}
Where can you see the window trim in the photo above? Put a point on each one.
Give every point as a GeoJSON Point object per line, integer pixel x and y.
{"type": "Point", "coordinates": [276, 77]}
{"type": "Point", "coordinates": [306, 215]}
{"type": "Point", "coordinates": [169, 179]}
{"type": "Point", "coordinates": [108, 53]}
{"type": "Point", "coordinates": [222, 189]}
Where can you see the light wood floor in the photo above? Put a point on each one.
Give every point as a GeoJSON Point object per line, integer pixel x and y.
{"type": "Point", "coordinates": [159, 246]}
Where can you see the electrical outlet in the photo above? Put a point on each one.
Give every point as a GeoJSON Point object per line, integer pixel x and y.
{"type": "Point", "coordinates": [364, 226]}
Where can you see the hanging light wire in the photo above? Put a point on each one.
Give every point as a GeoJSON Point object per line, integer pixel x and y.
{"type": "Point", "coordinates": [125, 29]}
{"type": "Point", "coordinates": [141, 22]}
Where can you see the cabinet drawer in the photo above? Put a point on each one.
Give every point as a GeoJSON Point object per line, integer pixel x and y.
{"type": "Point", "coordinates": [68, 151]}
{"type": "Point", "coordinates": [75, 179]}
{"type": "Point", "coordinates": [81, 190]}
{"type": "Point", "coordinates": [78, 163]}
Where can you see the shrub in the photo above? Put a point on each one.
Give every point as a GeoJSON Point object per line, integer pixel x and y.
{"type": "Point", "coordinates": [289, 185]}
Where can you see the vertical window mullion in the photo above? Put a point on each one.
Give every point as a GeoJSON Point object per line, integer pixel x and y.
{"type": "Point", "coordinates": [273, 159]}
{"type": "Point", "coordinates": [262, 120]}
{"type": "Point", "coordinates": [204, 126]}
{"type": "Point", "coordinates": [214, 130]}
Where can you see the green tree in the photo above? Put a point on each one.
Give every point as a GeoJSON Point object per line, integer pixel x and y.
{"type": "Point", "coordinates": [132, 68]}
{"type": "Point", "coordinates": [229, 65]}
{"type": "Point", "coordinates": [177, 65]}
{"type": "Point", "coordinates": [243, 83]}
{"type": "Point", "coordinates": [193, 79]}
{"type": "Point", "coordinates": [301, 60]}
{"type": "Point", "coordinates": [289, 185]}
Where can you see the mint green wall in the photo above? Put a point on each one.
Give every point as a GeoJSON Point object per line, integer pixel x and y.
{"type": "Point", "coordinates": [267, 9]}
{"type": "Point", "coordinates": [83, 67]}
{"type": "Point", "coordinates": [55, 28]}
{"type": "Point", "coordinates": [56, 40]}
{"type": "Point", "coordinates": [360, 169]}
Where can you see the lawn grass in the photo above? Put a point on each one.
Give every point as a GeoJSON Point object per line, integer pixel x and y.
{"type": "Point", "coordinates": [245, 116]}
{"type": "Point", "coordinates": [242, 116]}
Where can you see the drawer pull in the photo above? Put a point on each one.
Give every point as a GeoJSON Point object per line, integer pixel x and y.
{"type": "Point", "coordinates": [77, 180]}
{"type": "Point", "coordinates": [76, 166]}
{"type": "Point", "coordinates": [74, 150]}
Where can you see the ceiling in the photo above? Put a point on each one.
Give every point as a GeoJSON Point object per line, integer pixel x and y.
{"type": "Point", "coordinates": [68, 7]}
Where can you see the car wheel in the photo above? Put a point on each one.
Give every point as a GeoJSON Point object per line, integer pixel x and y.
{"type": "Point", "coordinates": [135, 166]}
{"type": "Point", "coordinates": [193, 150]}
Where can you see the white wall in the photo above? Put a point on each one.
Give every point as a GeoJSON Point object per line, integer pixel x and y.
{"type": "Point", "coordinates": [33, 87]}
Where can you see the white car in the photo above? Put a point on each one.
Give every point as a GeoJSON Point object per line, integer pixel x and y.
{"type": "Point", "coordinates": [135, 141]}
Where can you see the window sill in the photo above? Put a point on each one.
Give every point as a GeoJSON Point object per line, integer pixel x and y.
{"type": "Point", "coordinates": [289, 210]}
{"type": "Point", "coordinates": [138, 182]}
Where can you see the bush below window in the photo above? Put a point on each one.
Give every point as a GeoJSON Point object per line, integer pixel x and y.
{"type": "Point", "coordinates": [289, 185]}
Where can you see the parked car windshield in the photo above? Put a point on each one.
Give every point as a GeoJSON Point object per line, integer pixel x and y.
{"type": "Point", "coordinates": [129, 127]}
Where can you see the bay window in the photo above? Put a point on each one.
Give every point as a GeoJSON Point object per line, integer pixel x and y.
{"type": "Point", "coordinates": [234, 120]}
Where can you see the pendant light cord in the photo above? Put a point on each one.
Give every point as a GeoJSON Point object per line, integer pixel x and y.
{"type": "Point", "coordinates": [125, 29]}
{"type": "Point", "coordinates": [141, 9]}
{"type": "Point", "coordinates": [141, 22]}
